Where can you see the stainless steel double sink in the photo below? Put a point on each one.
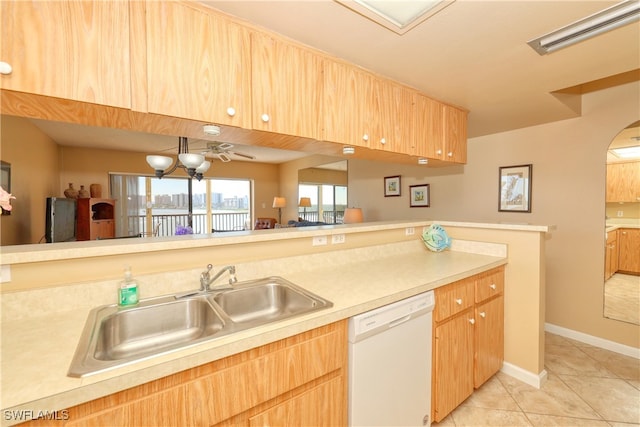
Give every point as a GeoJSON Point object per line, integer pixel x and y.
{"type": "Point", "coordinates": [114, 336]}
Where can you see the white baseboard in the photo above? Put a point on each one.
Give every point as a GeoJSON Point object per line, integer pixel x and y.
{"type": "Point", "coordinates": [594, 341]}
{"type": "Point", "coordinates": [524, 376]}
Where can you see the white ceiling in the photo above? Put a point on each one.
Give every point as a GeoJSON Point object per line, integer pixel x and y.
{"type": "Point", "coordinates": [473, 54]}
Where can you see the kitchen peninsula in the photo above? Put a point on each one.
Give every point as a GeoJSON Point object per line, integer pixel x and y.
{"type": "Point", "coordinates": [43, 311]}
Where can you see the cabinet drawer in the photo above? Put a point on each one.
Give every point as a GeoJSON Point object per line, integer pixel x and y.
{"type": "Point", "coordinates": [489, 284]}
{"type": "Point", "coordinates": [453, 299]}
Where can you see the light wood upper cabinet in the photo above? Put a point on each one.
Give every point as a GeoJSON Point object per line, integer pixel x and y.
{"type": "Point", "coordinates": [199, 64]}
{"type": "Point", "coordinates": [348, 91]}
{"type": "Point", "coordinates": [455, 134]}
{"type": "Point", "coordinates": [75, 50]}
{"type": "Point", "coordinates": [364, 110]}
{"type": "Point", "coordinates": [427, 130]}
{"type": "Point", "coordinates": [623, 182]}
{"type": "Point", "coordinates": [286, 87]}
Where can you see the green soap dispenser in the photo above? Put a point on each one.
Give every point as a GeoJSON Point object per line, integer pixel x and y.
{"type": "Point", "coordinates": [128, 289]}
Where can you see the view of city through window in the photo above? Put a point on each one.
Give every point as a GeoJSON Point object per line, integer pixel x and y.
{"type": "Point", "coordinates": [216, 205]}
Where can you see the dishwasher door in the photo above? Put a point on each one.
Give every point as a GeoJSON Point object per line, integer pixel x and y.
{"type": "Point", "coordinates": [390, 364]}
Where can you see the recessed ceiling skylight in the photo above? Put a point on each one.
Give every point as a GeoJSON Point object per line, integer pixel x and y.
{"type": "Point", "coordinates": [398, 16]}
{"type": "Point", "coordinates": [627, 152]}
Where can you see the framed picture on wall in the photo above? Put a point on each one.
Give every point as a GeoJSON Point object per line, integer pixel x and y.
{"type": "Point", "coordinates": [515, 188]}
{"type": "Point", "coordinates": [391, 186]}
{"type": "Point", "coordinates": [419, 196]}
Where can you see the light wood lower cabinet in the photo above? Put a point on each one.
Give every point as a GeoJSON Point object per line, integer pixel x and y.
{"type": "Point", "coordinates": [611, 254]}
{"type": "Point", "coordinates": [301, 380]}
{"type": "Point", "coordinates": [629, 250]}
{"type": "Point", "coordinates": [468, 331]}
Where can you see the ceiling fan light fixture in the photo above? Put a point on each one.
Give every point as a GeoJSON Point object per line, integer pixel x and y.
{"type": "Point", "coordinates": [606, 20]}
{"type": "Point", "coordinates": [213, 130]}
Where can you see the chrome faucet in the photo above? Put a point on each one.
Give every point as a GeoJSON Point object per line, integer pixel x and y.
{"type": "Point", "coordinates": [206, 280]}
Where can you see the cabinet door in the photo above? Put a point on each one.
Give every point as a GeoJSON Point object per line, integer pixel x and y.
{"type": "Point", "coordinates": [623, 182]}
{"type": "Point", "coordinates": [392, 109]}
{"type": "Point", "coordinates": [629, 250]}
{"type": "Point", "coordinates": [68, 49]}
{"type": "Point", "coordinates": [198, 64]}
{"type": "Point", "coordinates": [320, 406]}
{"type": "Point", "coordinates": [489, 340]}
{"type": "Point", "coordinates": [455, 134]}
{"type": "Point", "coordinates": [348, 93]}
{"type": "Point", "coordinates": [452, 364]}
{"type": "Point", "coordinates": [286, 87]}
{"type": "Point", "coordinates": [427, 138]}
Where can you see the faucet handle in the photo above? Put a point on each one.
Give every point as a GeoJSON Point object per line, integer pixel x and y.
{"type": "Point", "coordinates": [232, 273]}
{"type": "Point", "coordinates": [204, 277]}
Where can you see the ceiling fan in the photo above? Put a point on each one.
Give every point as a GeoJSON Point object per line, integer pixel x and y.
{"type": "Point", "coordinates": [223, 150]}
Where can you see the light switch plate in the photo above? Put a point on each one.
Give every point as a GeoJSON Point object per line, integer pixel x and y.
{"type": "Point", "coordinates": [5, 273]}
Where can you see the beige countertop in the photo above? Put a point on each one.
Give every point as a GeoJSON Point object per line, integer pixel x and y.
{"type": "Point", "coordinates": [36, 352]}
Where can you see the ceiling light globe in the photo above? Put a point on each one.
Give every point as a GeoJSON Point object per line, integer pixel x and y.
{"type": "Point", "coordinates": [190, 160]}
{"type": "Point", "coordinates": [159, 162]}
{"type": "Point", "coordinates": [204, 166]}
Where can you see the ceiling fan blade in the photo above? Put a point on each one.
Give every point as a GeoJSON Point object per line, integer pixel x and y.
{"type": "Point", "coordinates": [247, 156]}
{"type": "Point", "coordinates": [224, 157]}
{"type": "Point", "coordinates": [224, 146]}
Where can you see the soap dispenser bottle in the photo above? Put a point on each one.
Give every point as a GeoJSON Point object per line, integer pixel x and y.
{"type": "Point", "coordinates": [128, 289]}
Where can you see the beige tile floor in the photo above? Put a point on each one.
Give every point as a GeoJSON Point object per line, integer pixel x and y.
{"type": "Point", "coordinates": [586, 386]}
{"type": "Point", "coordinates": [622, 298]}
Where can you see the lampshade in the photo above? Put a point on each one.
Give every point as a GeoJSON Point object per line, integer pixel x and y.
{"type": "Point", "coordinates": [279, 202]}
{"type": "Point", "coordinates": [305, 202]}
{"type": "Point", "coordinates": [204, 166]}
{"type": "Point", "coordinates": [159, 162]}
{"type": "Point", "coordinates": [352, 215]}
{"type": "Point", "coordinates": [191, 160]}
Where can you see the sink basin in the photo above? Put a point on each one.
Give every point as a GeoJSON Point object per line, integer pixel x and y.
{"type": "Point", "coordinates": [267, 300]}
{"type": "Point", "coordinates": [148, 330]}
{"type": "Point", "coordinates": [115, 336]}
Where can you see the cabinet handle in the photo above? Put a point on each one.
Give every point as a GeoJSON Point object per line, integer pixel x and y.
{"type": "Point", "coordinates": [472, 321]}
{"type": "Point", "coordinates": [459, 301]}
{"type": "Point", "coordinates": [232, 111]}
{"type": "Point", "coordinates": [365, 137]}
{"type": "Point", "coordinates": [5, 68]}
{"type": "Point", "coordinates": [265, 117]}
{"type": "Point", "coordinates": [383, 141]}
{"type": "Point", "coordinates": [493, 286]}
{"type": "Point", "coordinates": [439, 152]}
{"type": "Point", "coordinates": [483, 314]}
{"type": "Point", "coordinates": [450, 154]}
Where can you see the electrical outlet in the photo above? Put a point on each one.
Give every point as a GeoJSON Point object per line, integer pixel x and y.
{"type": "Point", "coordinates": [319, 241]}
{"type": "Point", "coordinates": [620, 214]}
{"type": "Point", "coordinates": [338, 238]}
{"type": "Point", "coordinates": [5, 273]}
{"type": "Point", "coordinates": [409, 231]}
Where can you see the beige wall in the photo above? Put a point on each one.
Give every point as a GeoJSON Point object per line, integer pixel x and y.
{"type": "Point", "coordinates": [31, 154]}
{"type": "Point", "coordinates": [569, 170]}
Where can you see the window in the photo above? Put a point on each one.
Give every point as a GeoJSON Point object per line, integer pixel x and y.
{"type": "Point", "coordinates": [169, 206]}
{"type": "Point", "coordinates": [333, 200]}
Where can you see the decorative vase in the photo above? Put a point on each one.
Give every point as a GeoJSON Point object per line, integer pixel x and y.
{"type": "Point", "coordinates": [71, 193]}
{"type": "Point", "coordinates": [96, 191]}
{"type": "Point", "coordinates": [82, 193]}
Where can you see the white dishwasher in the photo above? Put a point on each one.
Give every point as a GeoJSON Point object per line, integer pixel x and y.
{"type": "Point", "coordinates": [390, 364]}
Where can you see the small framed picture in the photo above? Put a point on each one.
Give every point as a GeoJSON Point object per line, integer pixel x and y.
{"type": "Point", "coordinates": [419, 196]}
{"type": "Point", "coordinates": [391, 186]}
{"type": "Point", "coordinates": [515, 189]}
